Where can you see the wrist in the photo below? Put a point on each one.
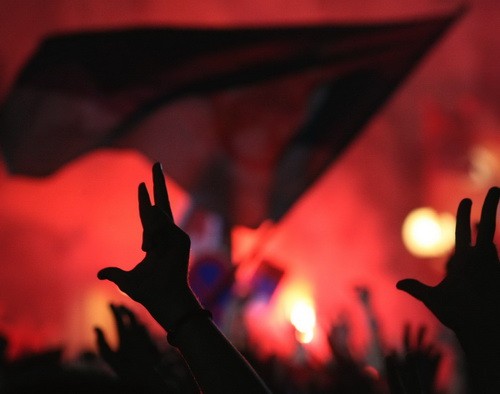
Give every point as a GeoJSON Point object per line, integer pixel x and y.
{"type": "Point", "coordinates": [167, 314]}
{"type": "Point", "coordinates": [190, 317]}
{"type": "Point", "coordinates": [480, 349]}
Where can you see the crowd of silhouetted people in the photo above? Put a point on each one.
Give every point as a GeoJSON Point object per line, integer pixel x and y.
{"type": "Point", "coordinates": [142, 365]}
{"type": "Point", "coordinates": [199, 357]}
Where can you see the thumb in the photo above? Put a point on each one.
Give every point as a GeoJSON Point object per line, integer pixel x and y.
{"type": "Point", "coordinates": [416, 289]}
{"type": "Point", "coordinates": [115, 275]}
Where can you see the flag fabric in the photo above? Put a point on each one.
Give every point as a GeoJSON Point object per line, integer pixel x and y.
{"type": "Point", "coordinates": [244, 119]}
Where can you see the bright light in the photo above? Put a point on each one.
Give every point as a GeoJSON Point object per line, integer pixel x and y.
{"type": "Point", "coordinates": [303, 318]}
{"type": "Point", "coordinates": [427, 233]}
{"type": "Point", "coordinates": [304, 337]}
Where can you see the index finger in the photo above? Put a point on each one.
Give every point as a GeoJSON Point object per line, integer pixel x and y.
{"type": "Point", "coordinates": [144, 204]}
{"type": "Point", "coordinates": [120, 324]}
{"type": "Point", "coordinates": [462, 229]}
{"type": "Point", "coordinates": [406, 337]}
{"type": "Point", "coordinates": [420, 336]}
{"type": "Point", "coordinates": [160, 190]}
{"type": "Point", "coordinates": [132, 321]}
{"type": "Point", "coordinates": [487, 224]}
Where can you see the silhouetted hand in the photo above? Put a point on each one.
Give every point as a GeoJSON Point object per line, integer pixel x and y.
{"type": "Point", "coordinates": [136, 359]}
{"type": "Point", "coordinates": [135, 348]}
{"type": "Point", "coordinates": [348, 374]}
{"type": "Point", "coordinates": [467, 300]}
{"type": "Point", "coordinates": [159, 281]}
{"type": "Point", "coordinates": [338, 339]}
{"type": "Point", "coordinates": [415, 370]}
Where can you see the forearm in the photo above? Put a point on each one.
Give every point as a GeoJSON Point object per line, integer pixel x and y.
{"type": "Point", "coordinates": [482, 360]}
{"type": "Point", "coordinates": [216, 365]}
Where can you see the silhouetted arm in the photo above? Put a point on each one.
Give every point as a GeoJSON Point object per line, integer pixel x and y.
{"type": "Point", "coordinates": [375, 354]}
{"type": "Point", "coordinates": [159, 282]}
{"type": "Point", "coordinates": [467, 300]}
{"type": "Point", "coordinates": [350, 375]}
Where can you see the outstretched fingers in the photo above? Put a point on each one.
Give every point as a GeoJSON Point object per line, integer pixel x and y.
{"type": "Point", "coordinates": [421, 336]}
{"type": "Point", "coordinates": [119, 321]}
{"type": "Point", "coordinates": [406, 338]}
{"type": "Point", "coordinates": [160, 190]}
{"type": "Point", "coordinates": [146, 215]}
{"type": "Point", "coordinates": [154, 216]}
{"type": "Point", "coordinates": [487, 224]}
{"type": "Point", "coordinates": [144, 205]}
{"type": "Point", "coordinates": [462, 229]}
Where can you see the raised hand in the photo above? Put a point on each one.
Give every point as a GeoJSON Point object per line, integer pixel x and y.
{"type": "Point", "coordinates": [349, 375]}
{"type": "Point", "coordinates": [135, 348]}
{"type": "Point", "coordinates": [375, 351]}
{"type": "Point", "coordinates": [338, 339]}
{"type": "Point", "coordinates": [159, 281]}
{"type": "Point", "coordinates": [136, 357]}
{"type": "Point", "coordinates": [415, 370]}
{"type": "Point", "coordinates": [467, 300]}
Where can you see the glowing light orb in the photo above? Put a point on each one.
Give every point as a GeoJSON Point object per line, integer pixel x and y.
{"type": "Point", "coordinates": [427, 233]}
{"type": "Point", "coordinates": [303, 318]}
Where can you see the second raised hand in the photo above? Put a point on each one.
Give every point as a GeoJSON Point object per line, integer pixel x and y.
{"type": "Point", "coordinates": [467, 300]}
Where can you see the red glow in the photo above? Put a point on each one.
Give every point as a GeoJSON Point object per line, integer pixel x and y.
{"type": "Point", "coordinates": [56, 233]}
